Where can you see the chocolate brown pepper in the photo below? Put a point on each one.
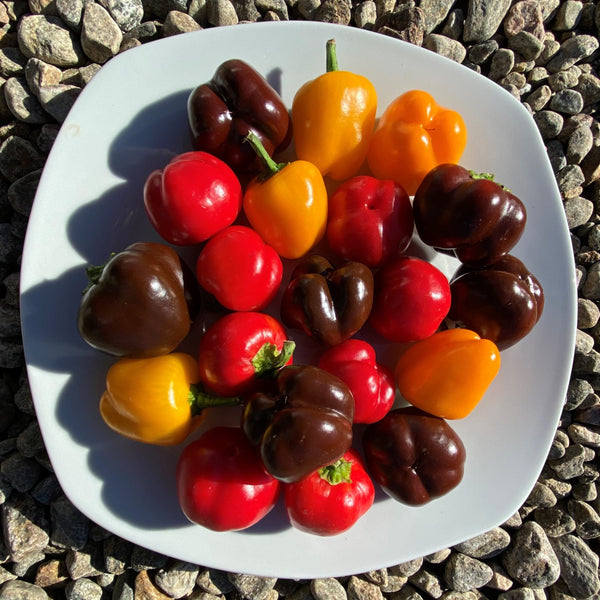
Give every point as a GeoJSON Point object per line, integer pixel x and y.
{"type": "Point", "coordinates": [305, 425]}
{"type": "Point", "coordinates": [328, 304]}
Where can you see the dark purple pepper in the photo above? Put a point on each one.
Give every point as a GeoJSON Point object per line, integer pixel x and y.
{"type": "Point", "coordinates": [415, 457]}
{"type": "Point", "coordinates": [472, 215]}
{"type": "Point", "coordinates": [328, 304]}
{"type": "Point", "coordinates": [305, 425]}
{"type": "Point", "coordinates": [141, 303]}
{"type": "Point", "coordinates": [234, 102]}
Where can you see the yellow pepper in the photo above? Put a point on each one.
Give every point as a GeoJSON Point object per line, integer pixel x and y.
{"type": "Point", "coordinates": [287, 204]}
{"type": "Point", "coordinates": [156, 400]}
{"type": "Point", "coordinates": [448, 373]}
{"type": "Point", "coordinates": [333, 117]}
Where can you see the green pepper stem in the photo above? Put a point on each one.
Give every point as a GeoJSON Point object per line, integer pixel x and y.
{"type": "Point", "coordinates": [332, 61]}
{"type": "Point", "coordinates": [270, 359]}
{"type": "Point", "coordinates": [200, 400]}
{"type": "Point", "coordinates": [269, 164]}
{"type": "Point", "coordinates": [338, 472]}
{"type": "Point", "coordinates": [488, 176]}
{"type": "Point", "coordinates": [94, 272]}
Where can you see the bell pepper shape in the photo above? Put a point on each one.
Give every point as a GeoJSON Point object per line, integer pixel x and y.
{"type": "Point", "coordinates": [192, 198]}
{"type": "Point", "coordinates": [369, 220]}
{"type": "Point", "coordinates": [372, 384]}
{"type": "Point", "coordinates": [221, 483]}
{"type": "Point", "coordinates": [328, 304]}
{"type": "Point", "coordinates": [448, 373]}
{"type": "Point", "coordinates": [471, 215]}
{"type": "Point", "coordinates": [414, 135]}
{"type": "Point", "coordinates": [286, 204]}
{"type": "Point", "coordinates": [240, 351]}
{"type": "Point", "coordinates": [237, 100]}
{"type": "Point", "coordinates": [501, 302]}
{"type": "Point", "coordinates": [333, 117]}
{"type": "Point", "coordinates": [156, 400]}
{"type": "Point", "coordinates": [305, 425]}
{"type": "Point", "coordinates": [415, 457]}
{"type": "Point", "coordinates": [140, 303]}
{"type": "Point", "coordinates": [332, 499]}
{"type": "Point", "coordinates": [239, 269]}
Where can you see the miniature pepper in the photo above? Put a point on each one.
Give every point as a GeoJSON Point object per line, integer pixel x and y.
{"type": "Point", "coordinates": [414, 135]}
{"type": "Point", "coordinates": [304, 425]}
{"type": "Point", "coordinates": [156, 400]}
{"type": "Point", "coordinates": [140, 303]}
{"type": "Point", "coordinates": [448, 373]}
{"type": "Point", "coordinates": [333, 117]}
{"type": "Point", "coordinates": [235, 101]}
{"type": "Point", "coordinates": [287, 204]}
{"type": "Point", "coordinates": [328, 304]}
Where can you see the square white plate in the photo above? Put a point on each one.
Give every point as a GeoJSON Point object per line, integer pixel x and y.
{"type": "Point", "coordinates": [131, 119]}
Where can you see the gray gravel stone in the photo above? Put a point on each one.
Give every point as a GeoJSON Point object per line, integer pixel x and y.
{"type": "Point", "coordinates": [71, 11]}
{"type": "Point", "coordinates": [83, 589]}
{"type": "Point", "coordinates": [463, 573]}
{"type": "Point", "coordinates": [445, 46]}
{"type": "Point", "coordinates": [178, 579]}
{"type": "Point", "coordinates": [126, 13]}
{"type": "Point", "coordinates": [22, 590]}
{"type": "Point", "coordinates": [435, 12]}
{"type": "Point", "coordinates": [555, 521]}
{"type": "Point", "coordinates": [57, 100]}
{"type": "Point", "coordinates": [572, 464]}
{"type": "Point", "coordinates": [502, 63]}
{"type": "Point", "coordinates": [22, 103]}
{"type": "Point", "coordinates": [46, 38]}
{"type": "Point", "coordinates": [12, 62]}
{"type": "Point", "coordinates": [568, 15]}
{"type": "Point", "coordinates": [18, 157]}
{"type": "Point", "coordinates": [588, 313]}
{"type": "Point", "coordinates": [579, 144]}
{"type": "Point", "coordinates": [486, 545]}
{"type": "Point", "coordinates": [567, 101]}
{"type": "Point", "coordinates": [365, 13]}
{"type": "Point", "coordinates": [328, 589]}
{"type": "Point", "coordinates": [22, 473]}
{"type": "Point", "coordinates": [23, 528]}
{"type": "Point", "coordinates": [579, 565]}
{"type": "Point", "coordinates": [586, 518]}
{"type": "Point", "coordinates": [221, 13]}
{"type": "Point", "coordinates": [572, 51]}
{"type": "Point", "coordinates": [359, 589]}
{"type": "Point", "coordinates": [100, 36]}
{"type": "Point", "coordinates": [484, 18]}
{"type": "Point", "coordinates": [177, 22]}
{"type": "Point", "coordinates": [69, 527]}
{"type": "Point", "coordinates": [428, 582]}
{"type": "Point", "coordinates": [252, 587]}
{"type": "Point", "coordinates": [549, 123]}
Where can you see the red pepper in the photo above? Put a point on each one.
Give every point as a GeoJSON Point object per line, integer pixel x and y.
{"type": "Point", "coordinates": [239, 349]}
{"type": "Point", "coordinates": [221, 483]}
{"type": "Point", "coordinates": [369, 220]}
{"type": "Point", "coordinates": [412, 298]}
{"type": "Point", "coordinates": [192, 198]}
{"type": "Point", "coordinates": [372, 384]}
{"type": "Point", "coordinates": [239, 269]}
{"type": "Point", "coordinates": [331, 500]}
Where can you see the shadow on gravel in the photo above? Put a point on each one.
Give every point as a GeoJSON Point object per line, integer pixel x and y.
{"type": "Point", "coordinates": [138, 481]}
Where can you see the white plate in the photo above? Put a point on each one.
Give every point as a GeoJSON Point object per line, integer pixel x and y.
{"type": "Point", "coordinates": [130, 120]}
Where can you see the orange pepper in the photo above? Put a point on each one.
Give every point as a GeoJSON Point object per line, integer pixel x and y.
{"type": "Point", "coordinates": [287, 204]}
{"type": "Point", "coordinates": [448, 373]}
{"type": "Point", "coordinates": [413, 136]}
{"type": "Point", "coordinates": [156, 400]}
{"type": "Point", "coordinates": [333, 117]}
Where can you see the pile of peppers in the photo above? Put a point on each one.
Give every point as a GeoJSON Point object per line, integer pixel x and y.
{"type": "Point", "coordinates": [285, 258]}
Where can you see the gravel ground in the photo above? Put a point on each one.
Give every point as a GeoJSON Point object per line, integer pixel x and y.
{"type": "Point", "coordinates": [546, 54]}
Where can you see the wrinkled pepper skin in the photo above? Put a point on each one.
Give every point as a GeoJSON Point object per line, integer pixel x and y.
{"type": "Point", "coordinates": [328, 304]}
{"type": "Point", "coordinates": [221, 483]}
{"type": "Point", "coordinates": [448, 373]}
{"type": "Point", "coordinates": [471, 215]}
{"type": "Point", "coordinates": [369, 220]}
{"type": "Point", "coordinates": [287, 204]}
{"type": "Point", "coordinates": [240, 350]}
{"type": "Point", "coordinates": [235, 101]}
{"type": "Point", "coordinates": [332, 499]}
{"type": "Point", "coordinates": [192, 198]}
{"type": "Point", "coordinates": [412, 298]}
{"type": "Point", "coordinates": [156, 400]}
{"type": "Point", "coordinates": [501, 302]}
{"type": "Point", "coordinates": [305, 425]}
{"type": "Point", "coordinates": [415, 457]}
{"type": "Point", "coordinates": [333, 117]}
{"type": "Point", "coordinates": [141, 303]}
{"type": "Point", "coordinates": [372, 384]}
{"type": "Point", "coordinates": [413, 135]}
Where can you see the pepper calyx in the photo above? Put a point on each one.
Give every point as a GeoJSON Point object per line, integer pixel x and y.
{"type": "Point", "coordinates": [338, 472]}
{"type": "Point", "coordinates": [269, 358]}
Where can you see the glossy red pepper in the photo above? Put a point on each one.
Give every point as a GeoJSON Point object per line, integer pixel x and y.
{"type": "Point", "coordinates": [332, 499]}
{"type": "Point", "coordinates": [221, 483]}
{"type": "Point", "coordinates": [372, 384]}
{"type": "Point", "coordinates": [239, 349]}
{"type": "Point", "coordinates": [192, 198]}
{"type": "Point", "coordinates": [476, 218]}
{"type": "Point", "coordinates": [369, 220]}
{"type": "Point", "coordinates": [415, 457]}
{"type": "Point", "coordinates": [412, 298]}
{"type": "Point", "coordinates": [234, 102]}
{"type": "Point", "coordinates": [239, 269]}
